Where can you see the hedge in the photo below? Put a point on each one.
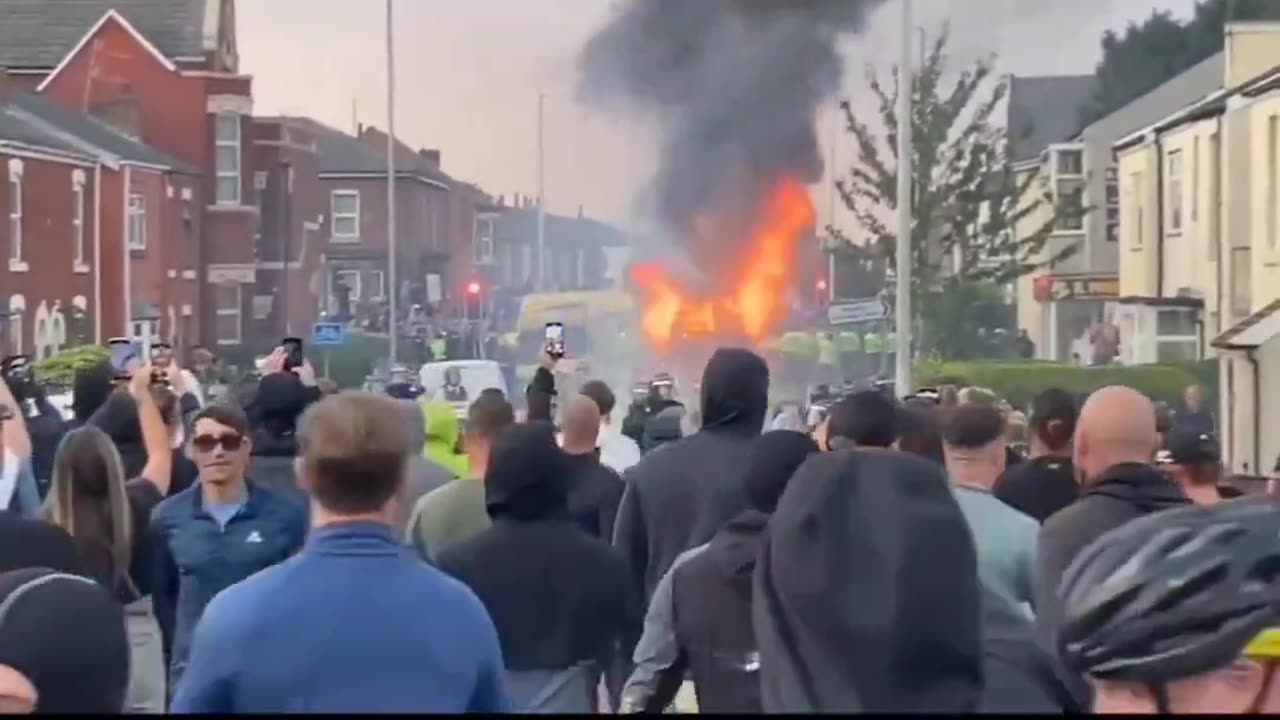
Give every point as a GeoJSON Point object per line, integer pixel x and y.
{"type": "Point", "coordinates": [1020, 381]}
{"type": "Point", "coordinates": [59, 370]}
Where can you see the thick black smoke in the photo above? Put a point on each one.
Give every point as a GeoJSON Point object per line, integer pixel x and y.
{"type": "Point", "coordinates": [736, 86]}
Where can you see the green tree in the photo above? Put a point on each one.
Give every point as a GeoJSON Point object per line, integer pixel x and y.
{"type": "Point", "coordinates": [1149, 53]}
{"type": "Point", "coordinates": [966, 202]}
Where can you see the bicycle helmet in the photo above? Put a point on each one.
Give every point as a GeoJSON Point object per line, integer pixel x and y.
{"type": "Point", "coordinates": [1174, 594]}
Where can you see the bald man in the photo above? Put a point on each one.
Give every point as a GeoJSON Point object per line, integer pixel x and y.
{"type": "Point", "coordinates": [594, 489]}
{"type": "Point", "coordinates": [1115, 446]}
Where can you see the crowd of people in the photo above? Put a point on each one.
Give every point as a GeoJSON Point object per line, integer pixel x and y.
{"type": "Point", "coordinates": [296, 552]}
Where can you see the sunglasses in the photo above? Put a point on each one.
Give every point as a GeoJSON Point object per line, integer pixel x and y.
{"type": "Point", "coordinates": [208, 443]}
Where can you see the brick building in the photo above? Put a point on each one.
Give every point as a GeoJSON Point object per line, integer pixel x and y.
{"type": "Point", "coordinates": [165, 73]}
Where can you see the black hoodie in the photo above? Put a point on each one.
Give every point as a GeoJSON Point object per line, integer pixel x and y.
{"type": "Point", "coordinates": [557, 596]}
{"type": "Point", "coordinates": [1120, 494]}
{"type": "Point", "coordinates": [866, 591]}
{"type": "Point", "coordinates": [679, 497]}
{"type": "Point", "coordinates": [277, 404]}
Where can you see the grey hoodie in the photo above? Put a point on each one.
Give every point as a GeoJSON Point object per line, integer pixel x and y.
{"type": "Point", "coordinates": [422, 474]}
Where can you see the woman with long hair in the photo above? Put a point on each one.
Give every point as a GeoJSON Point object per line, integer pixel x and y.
{"type": "Point", "coordinates": [107, 514]}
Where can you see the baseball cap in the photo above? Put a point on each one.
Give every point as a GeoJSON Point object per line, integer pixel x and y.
{"type": "Point", "coordinates": [1186, 446]}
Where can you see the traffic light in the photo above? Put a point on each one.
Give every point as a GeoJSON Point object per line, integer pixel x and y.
{"type": "Point", "coordinates": [822, 285]}
{"type": "Point", "coordinates": [473, 288]}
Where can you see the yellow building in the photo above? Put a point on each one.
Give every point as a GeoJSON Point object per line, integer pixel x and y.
{"type": "Point", "coordinates": [1199, 252]}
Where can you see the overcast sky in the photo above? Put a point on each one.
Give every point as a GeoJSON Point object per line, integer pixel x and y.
{"type": "Point", "coordinates": [469, 73]}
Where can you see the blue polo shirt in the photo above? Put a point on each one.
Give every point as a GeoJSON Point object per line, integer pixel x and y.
{"type": "Point", "coordinates": [197, 556]}
{"type": "Point", "coordinates": [354, 623]}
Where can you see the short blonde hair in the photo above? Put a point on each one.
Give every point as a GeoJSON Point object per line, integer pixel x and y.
{"type": "Point", "coordinates": [354, 447]}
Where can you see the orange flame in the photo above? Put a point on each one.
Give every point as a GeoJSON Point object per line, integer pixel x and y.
{"type": "Point", "coordinates": [755, 304]}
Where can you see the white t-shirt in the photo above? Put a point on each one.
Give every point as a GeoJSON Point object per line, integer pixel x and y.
{"type": "Point", "coordinates": [617, 451]}
{"type": "Point", "coordinates": [8, 477]}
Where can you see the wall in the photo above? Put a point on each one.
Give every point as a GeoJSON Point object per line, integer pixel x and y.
{"type": "Point", "coordinates": [1138, 260]}
{"type": "Point", "coordinates": [50, 284]}
{"type": "Point", "coordinates": [1031, 314]}
{"type": "Point", "coordinates": [1252, 48]}
{"type": "Point", "coordinates": [1264, 199]}
{"type": "Point", "coordinates": [1190, 254]}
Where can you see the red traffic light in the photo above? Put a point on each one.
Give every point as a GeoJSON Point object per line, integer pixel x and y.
{"type": "Point", "coordinates": [822, 285]}
{"type": "Point", "coordinates": [473, 288]}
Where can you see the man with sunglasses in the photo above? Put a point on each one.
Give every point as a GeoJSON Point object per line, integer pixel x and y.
{"type": "Point", "coordinates": [217, 532]}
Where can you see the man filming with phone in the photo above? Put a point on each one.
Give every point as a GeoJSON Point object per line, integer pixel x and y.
{"type": "Point", "coordinates": [287, 388]}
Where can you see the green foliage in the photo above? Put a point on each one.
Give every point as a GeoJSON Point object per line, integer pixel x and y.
{"type": "Point", "coordinates": [961, 320]}
{"type": "Point", "coordinates": [1161, 47]}
{"type": "Point", "coordinates": [1020, 381]}
{"type": "Point", "coordinates": [59, 370]}
{"type": "Point", "coordinates": [966, 199]}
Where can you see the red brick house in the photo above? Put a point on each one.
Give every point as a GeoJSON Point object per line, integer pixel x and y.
{"type": "Point", "coordinates": [166, 73]}
{"type": "Point", "coordinates": [127, 222]}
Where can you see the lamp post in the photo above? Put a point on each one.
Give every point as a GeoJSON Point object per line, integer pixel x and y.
{"type": "Point", "coordinates": [902, 318]}
{"type": "Point", "coordinates": [392, 250]}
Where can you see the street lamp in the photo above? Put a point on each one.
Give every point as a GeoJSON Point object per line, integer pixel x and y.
{"type": "Point", "coordinates": [392, 249]}
{"type": "Point", "coordinates": [902, 318]}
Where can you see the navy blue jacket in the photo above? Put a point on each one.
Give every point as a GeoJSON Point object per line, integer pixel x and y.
{"type": "Point", "coordinates": [195, 558]}
{"type": "Point", "coordinates": [354, 623]}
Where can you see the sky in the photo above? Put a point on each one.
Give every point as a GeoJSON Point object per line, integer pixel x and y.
{"type": "Point", "coordinates": [469, 74]}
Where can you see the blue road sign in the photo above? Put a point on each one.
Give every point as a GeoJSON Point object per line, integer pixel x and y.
{"type": "Point", "coordinates": [328, 334]}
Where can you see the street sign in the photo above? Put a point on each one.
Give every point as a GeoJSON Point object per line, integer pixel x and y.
{"type": "Point", "coordinates": [328, 334]}
{"type": "Point", "coordinates": [857, 311]}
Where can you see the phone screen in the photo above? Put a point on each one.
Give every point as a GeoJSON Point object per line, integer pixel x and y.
{"type": "Point", "coordinates": [124, 357]}
{"type": "Point", "coordinates": [555, 339]}
{"type": "Point", "coordinates": [293, 347]}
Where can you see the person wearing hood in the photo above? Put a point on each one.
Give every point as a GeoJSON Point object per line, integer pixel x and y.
{"type": "Point", "coordinates": [280, 400]}
{"type": "Point", "coordinates": [699, 621]}
{"type": "Point", "coordinates": [422, 475]}
{"type": "Point", "coordinates": [540, 395]}
{"type": "Point", "coordinates": [63, 647]}
{"type": "Point", "coordinates": [665, 427]}
{"type": "Point", "coordinates": [680, 497]}
{"type": "Point", "coordinates": [441, 438]}
{"type": "Point", "coordinates": [846, 587]}
{"type": "Point", "coordinates": [560, 599]}
{"type": "Point", "coordinates": [1114, 445]}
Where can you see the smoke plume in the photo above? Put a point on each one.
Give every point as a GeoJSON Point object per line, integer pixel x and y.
{"type": "Point", "coordinates": [735, 86]}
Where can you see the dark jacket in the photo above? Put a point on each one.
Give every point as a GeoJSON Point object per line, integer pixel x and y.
{"type": "Point", "coordinates": [679, 497]}
{"type": "Point", "coordinates": [594, 494]}
{"type": "Point", "coordinates": [633, 423]}
{"type": "Point", "coordinates": [195, 558]}
{"type": "Point", "coordinates": [1038, 487]}
{"type": "Point", "coordinates": [539, 395]}
{"type": "Point", "coordinates": [1122, 493]}
{"type": "Point", "coordinates": [558, 597]}
{"type": "Point", "coordinates": [46, 430]}
{"type": "Point", "coordinates": [118, 418]}
{"type": "Point", "coordinates": [712, 613]}
{"type": "Point", "coordinates": [1019, 676]}
{"type": "Point", "coordinates": [278, 402]}
{"type": "Point", "coordinates": [662, 428]}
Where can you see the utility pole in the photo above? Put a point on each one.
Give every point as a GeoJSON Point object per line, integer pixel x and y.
{"type": "Point", "coordinates": [831, 211]}
{"type": "Point", "coordinates": [392, 250]}
{"type": "Point", "coordinates": [902, 320]}
{"type": "Point", "coordinates": [542, 200]}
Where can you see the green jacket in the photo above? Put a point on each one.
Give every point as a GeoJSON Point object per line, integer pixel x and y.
{"type": "Point", "coordinates": [442, 437]}
{"type": "Point", "coordinates": [447, 516]}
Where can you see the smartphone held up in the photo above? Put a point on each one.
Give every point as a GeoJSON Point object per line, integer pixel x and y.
{"type": "Point", "coordinates": [555, 340]}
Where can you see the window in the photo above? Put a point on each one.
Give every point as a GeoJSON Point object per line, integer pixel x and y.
{"type": "Point", "coordinates": [15, 217]}
{"type": "Point", "coordinates": [344, 207]}
{"type": "Point", "coordinates": [351, 279]}
{"type": "Point", "coordinates": [1071, 211]}
{"type": "Point", "coordinates": [1071, 162]}
{"type": "Point", "coordinates": [137, 222]}
{"type": "Point", "coordinates": [1241, 282]}
{"type": "Point", "coordinates": [1175, 321]}
{"type": "Point", "coordinates": [226, 299]}
{"type": "Point", "coordinates": [77, 227]}
{"type": "Point", "coordinates": [1272, 128]}
{"type": "Point", "coordinates": [1174, 190]}
{"type": "Point", "coordinates": [1215, 197]}
{"type": "Point", "coordinates": [1195, 180]}
{"type": "Point", "coordinates": [1136, 201]}
{"type": "Point", "coordinates": [484, 240]}
{"type": "Point", "coordinates": [227, 158]}
{"type": "Point", "coordinates": [378, 279]}
{"type": "Point", "coordinates": [17, 305]}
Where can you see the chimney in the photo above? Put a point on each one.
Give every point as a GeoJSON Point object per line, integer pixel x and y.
{"type": "Point", "coordinates": [120, 112]}
{"type": "Point", "coordinates": [359, 129]}
{"type": "Point", "coordinates": [501, 201]}
{"type": "Point", "coordinates": [579, 211]}
{"type": "Point", "coordinates": [1251, 48]}
{"type": "Point", "coordinates": [431, 156]}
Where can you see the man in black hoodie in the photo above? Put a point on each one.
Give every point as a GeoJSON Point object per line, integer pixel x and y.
{"type": "Point", "coordinates": [1115, 444]}
{"type": "Point", "coordinates": [559, 598]}
{"type": "Point", "coordinates": [280, 399]}
{"type": "Point", "coordinates": [594, 490]}
{"type": "Point", "coordinates": [679, 498]}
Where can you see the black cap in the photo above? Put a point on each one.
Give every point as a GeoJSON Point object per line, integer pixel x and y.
{"type": "Point", "coordinates": [1187, 446]}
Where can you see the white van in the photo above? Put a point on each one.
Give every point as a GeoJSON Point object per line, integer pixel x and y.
{"type": "Point", "coordinates": [460, 382]}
